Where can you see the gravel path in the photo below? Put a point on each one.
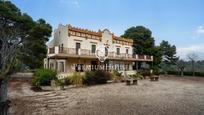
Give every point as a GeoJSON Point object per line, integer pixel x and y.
{"type": "Point", "coordinates": [169, 96]}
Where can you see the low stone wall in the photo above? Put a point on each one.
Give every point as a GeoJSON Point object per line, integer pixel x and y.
{"type": "Point", "coordinates": [64, 75]}
{"type": "Point", "coordinates": [131, 72]}
{"type": "Point", "coordinates": [22, 76]}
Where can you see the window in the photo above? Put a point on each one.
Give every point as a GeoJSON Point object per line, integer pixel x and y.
{"type": "Point", "coordinates": [118, 51]}
{"type": "Point", "coordinates": [78, 34]}
{"type": "Point", "coordinates": [106, 52]}
{"type": "Point", "coordinates": [82, 34]}
{"type": "Point", "coordinates": [126, 51]}
{"type": "Point", "coordinates": [94, 37]}
{"type": "Point", "coordinates": [61, 66]}
{"type": "Point", "coordinates": [93, 48]}
{"type": "Point", "coordinates": [61, 48]}
{"type": "Point", "coordinates": [78, 46]}
{"type": "Point", "coordinates": [88, 36]}
{"type": "Point", "coordinates": [79, 67]}
{"type": "Point", "coordinates": [73, 33]}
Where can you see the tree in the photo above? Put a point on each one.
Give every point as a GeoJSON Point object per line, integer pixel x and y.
{"type": "Point", "coordinates": [157, 54]}
{"type": "Point", "coordinates": [169, 52]}
{"type": "Point", "coordinates": [142, 38]}
{"type": "Point", "coordinates": [143, 43]}
{"type": "Point", "coordinates": [169, 57]}
{"type": "Point", "coordinates": [181, 66]}
{"type": "Point", "coordinates": [16, 30]}
{"type": "Point", "coordinates": [35, 46]}
{"type": "Point", "coordinates": [193, 58]}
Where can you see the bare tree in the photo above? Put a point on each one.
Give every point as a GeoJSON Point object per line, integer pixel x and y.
{"type": "Point", "coordinates": [193, 58]}
{"type": "Point", "coordinates": [181, 66]}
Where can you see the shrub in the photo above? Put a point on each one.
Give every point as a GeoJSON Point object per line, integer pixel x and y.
{"type": "Point", "coordinates": [89, 78]}
{"type": "Point", "coordinates": [60, 82]}
{"type": "Point", "coordinates": [173, 72]}
{"type": "Point", "coordinates": [96, 77]}
{"type": "Point", "coordinates": [137, 75]}
{"type": "Point", "coordinates": [156, 72]}
{"type": "Point", "coordinates": [117, 73]}
{"type": "Point", "coordinates": [67, 81]}
{"type": "Point", "coordinates": [186, 73]}
{"type": "Point", "coordinates": [199, 74]}
{"type": "Point", "coordinates": [43, 77]}
{"type": "Point", "coordinates": [102, 76]}
{"type": "Point", "coordinates": [116, 76]}
{"type": "Point", "coordinates": [76, 79]}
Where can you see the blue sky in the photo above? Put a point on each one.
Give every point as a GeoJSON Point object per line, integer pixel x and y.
{"type": "Point", "coordinates": [181, 22]}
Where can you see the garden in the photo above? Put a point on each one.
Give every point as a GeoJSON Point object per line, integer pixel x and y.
{"type": "Point", "coordinates": [47, 77]}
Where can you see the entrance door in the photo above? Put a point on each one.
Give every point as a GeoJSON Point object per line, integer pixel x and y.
{"type": "Point", "coordinates": [93, 65]}
{"type": "Point", "coordinates": [106, 65]}
{"type": "Point", "coordinates": [78, 46]}
{"type": "Point", "coordinates": [79, 67]}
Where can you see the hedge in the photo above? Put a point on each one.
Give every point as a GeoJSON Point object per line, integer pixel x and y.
{"type": "Point", "coordinates": [186, 73]}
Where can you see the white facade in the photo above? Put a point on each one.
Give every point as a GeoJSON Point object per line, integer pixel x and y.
{"type": "Point", "coordinates": [72, 46]}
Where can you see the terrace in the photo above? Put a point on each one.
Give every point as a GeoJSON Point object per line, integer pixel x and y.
{"type": "Point", "coordinates": [56, 52]}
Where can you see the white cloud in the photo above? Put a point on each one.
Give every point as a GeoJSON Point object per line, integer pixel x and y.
{"type": "Point", "coordinates": [200, 30]}
{"type": "Point", "coordinates": [197, 49]}
{"type": "Point", "coordinates": [74, 3]}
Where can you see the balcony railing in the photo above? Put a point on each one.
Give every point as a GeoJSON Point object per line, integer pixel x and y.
{"type": "Point", "coordinates": [148, 57]}
{"type": "Point", "coordinates": [141, 56]}
{"type": "Point", "coordinates": [85, 52]}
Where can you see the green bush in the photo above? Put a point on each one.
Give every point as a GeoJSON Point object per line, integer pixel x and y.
{"type": "Point", "coordinates": [102, 76]}
{"type": "Point", "coordinates": [199, 74]}
{"type": "Point", "coordinates": [76, 79]}
{"type": "Point", "coordinates": [173, 72]}
{"type": "Point", "coordinates": [96, 77]}
{"type": "Point", "coordinates": [89, 78]}
{"type": "Point", "coordinates": [116, 76]}
{"type": "Point", "coordinates": [186, 73]}
{"type": "Point", "coordinates": [137, 75]}
{"type": "Point", "coordinates": [63, 82]}
{"type": "Point", "coordinates": [117, 73]}
{"type": "Point", "coordinates": [145, 73]}
{"type": "Point", "coordinates": [43, 77]}
{"type": "Point", "coordinates": [67, 81]}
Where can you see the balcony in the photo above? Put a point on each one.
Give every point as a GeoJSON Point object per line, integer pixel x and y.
{"type": "Point", "coordinates": [84, 53]}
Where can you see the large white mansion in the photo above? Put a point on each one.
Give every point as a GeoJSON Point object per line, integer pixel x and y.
{"type": "Point", "coordinates": [73, 49]}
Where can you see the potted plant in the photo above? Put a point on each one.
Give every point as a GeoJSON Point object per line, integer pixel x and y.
{"type": "Point", "coordinates": [58, 84]}
{"type": "Point", "coordinates": [62, 84]}
{"type": "Point", "coordinates": [135, 77]}
{"type": "Point", "coordinates": [155, 75]}
{"type": "Point", "coordinates": [117, 76]}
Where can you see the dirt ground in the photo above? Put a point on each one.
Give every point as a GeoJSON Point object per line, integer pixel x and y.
{"type": "Point", "coordinates": [170, 96]}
